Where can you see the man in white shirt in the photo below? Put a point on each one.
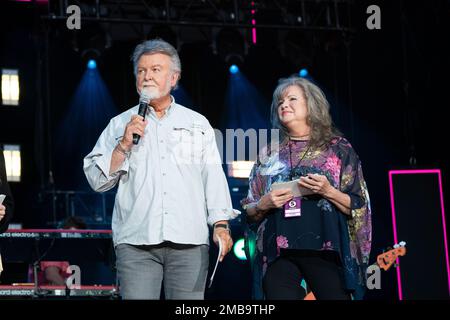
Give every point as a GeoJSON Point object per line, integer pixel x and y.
{"type": "Point", "coordinates": [171, 185]}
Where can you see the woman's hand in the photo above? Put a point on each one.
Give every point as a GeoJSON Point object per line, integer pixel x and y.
{"type": "Point", "coordinates": [275, 199]}
{"type": "Point", "coordinates": [2, 212]}
{"type": "Point", "coordinates": [317, 183]}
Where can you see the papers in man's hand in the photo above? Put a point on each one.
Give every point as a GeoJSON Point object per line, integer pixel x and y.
{"type": "Point", "coordinates": [217, 262]}
{"type": "Point", "coordinates": [296, 189]}
{"type": "Point", "coordinates": [2, 197]}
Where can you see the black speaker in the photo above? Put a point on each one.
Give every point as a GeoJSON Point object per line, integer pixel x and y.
{"type": "Point", "coordinates": [418, 217]}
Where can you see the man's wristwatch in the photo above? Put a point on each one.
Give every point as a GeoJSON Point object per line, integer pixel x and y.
{"type": "Point", "coordinates": [122, 150]}
{"type": "Point", "coordinates": [222, 225]}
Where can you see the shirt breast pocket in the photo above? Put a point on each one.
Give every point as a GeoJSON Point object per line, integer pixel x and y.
{"type": "Point", "coordinates": [187, 144]}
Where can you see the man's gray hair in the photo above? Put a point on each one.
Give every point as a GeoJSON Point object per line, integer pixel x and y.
{"type": "Point", "coordinates": [156, 46]}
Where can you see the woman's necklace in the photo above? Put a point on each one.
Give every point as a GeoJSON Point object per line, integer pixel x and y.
{"type": "Point", "coordinates": [292, 168]}
{"type": "Point", "coordinates": [299, 137]}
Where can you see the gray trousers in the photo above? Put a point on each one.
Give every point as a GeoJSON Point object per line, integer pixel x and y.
{"type": "Point", "coordinates": [182, 268]}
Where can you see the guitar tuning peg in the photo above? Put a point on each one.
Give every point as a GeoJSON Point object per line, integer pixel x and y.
{"type": "Point", "coordinates": [402, 243]}
{"type": "Point", "coordinates": [396, 246]}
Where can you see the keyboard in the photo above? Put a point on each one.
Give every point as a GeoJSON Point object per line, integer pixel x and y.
{"type": "Point", "coordinates": [25, 290]}
{"type": "Point", "coordinates": [57, 234]}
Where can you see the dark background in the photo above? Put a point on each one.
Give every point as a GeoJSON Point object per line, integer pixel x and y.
{"type": "Point", "coordinates": [388, 90]}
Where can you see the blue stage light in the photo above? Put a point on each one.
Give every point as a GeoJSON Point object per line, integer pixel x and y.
{"type": "Point", "coordinates": [303, 73]}
{"type": "Point", "coordinates": [234, 69]}
{"type": "Point", "coordinates": [92, 64]}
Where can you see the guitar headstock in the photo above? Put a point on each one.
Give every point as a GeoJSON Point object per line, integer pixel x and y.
{"type": "Point", "coordinates": [387, 259]}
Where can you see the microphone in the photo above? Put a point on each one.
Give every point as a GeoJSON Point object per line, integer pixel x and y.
{"type": "Point", "coordinates": [144, 99]}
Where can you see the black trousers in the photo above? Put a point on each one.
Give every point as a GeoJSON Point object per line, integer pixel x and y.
{"type": "Point", "coordinates": [322, 274]}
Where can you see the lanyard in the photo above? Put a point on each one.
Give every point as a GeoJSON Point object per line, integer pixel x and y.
{"type": "Point", "coordinates": [290, 159]}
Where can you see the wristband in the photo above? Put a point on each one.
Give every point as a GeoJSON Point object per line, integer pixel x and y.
{"type": "Point", "coordinates": [122, 150]}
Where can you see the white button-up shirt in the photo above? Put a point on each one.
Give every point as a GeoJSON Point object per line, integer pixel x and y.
{"type": "Point", "coordinates": [171, 186]}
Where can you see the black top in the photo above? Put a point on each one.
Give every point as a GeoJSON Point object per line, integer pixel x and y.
{"type": "Point", "coordinates": [4, 189]}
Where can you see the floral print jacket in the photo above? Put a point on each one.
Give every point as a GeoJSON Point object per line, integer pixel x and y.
{"type": "Point", "coordinates": [321, 226]}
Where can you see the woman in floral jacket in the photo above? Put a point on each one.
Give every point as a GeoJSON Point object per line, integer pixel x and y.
{"type": "Point", "coordinates": [322, 236]}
